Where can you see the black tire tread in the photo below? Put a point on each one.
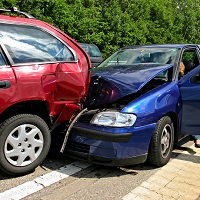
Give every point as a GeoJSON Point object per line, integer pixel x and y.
{"type": "Point", "coordinates": [6, 123]}
{"type": "Point", "coordinates": [153, 157]}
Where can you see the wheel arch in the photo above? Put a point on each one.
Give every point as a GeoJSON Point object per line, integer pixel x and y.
{"type": "Point", "coordinates": [36, 107]}
{"type": "Point", "coordinates": [175, 120]}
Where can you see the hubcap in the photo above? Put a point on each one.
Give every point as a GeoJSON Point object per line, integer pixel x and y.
{"type": "Point", "coordinates": [23, 145]}
{"type": "Point", "coordinates": [166, 140]}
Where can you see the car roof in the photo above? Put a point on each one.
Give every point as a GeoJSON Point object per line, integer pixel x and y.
{"type": "Point", "coordinates": [180, 46]}
{"type": "Point", "coordinates": [31, 22]}
{"type": "Point", "coordinates": [15, 19]}
{"type": "Point", "coordinates": [20, 17]}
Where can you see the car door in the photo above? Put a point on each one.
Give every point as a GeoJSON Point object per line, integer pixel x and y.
{"type": "Point", "coordinates": [7, 82]}
{"type": "Point", "coordinates": [37, 53]}
{"type": "Point", "coordinates": [190, 93]}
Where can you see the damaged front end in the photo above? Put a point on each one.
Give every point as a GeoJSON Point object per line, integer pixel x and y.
{"type": "Point", "coordinates": [116, 86]}
{"type": "Point", "coordinates": [110, 91]}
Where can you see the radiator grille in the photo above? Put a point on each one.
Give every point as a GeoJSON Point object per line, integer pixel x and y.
{"type": "Point", "coordinates": [76, 146]}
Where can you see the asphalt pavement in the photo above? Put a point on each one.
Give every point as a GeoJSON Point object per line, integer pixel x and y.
{"type": "Point", "coordinates": [61, 178]}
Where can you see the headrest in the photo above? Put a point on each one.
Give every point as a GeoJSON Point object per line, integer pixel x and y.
{"type": "Point", "coordinates": [189, 65]}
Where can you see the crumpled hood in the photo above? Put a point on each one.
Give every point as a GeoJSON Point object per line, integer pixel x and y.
{"type": "Point", "coordinates": [113, 82]}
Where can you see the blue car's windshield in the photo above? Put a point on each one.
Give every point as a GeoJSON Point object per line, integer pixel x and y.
{"type": "Point", "coordinates": [141, 55]}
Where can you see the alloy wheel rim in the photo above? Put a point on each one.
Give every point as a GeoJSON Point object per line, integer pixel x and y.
{"type": "Point", "coordinates": [166, 140]}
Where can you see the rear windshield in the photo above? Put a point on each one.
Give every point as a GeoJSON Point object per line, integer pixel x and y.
{"type": "Point", "coordinates": [92, 50]}
{"type": "Point", "coordinates": [27, 44]}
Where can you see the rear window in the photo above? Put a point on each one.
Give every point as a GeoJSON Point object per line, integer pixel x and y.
{"type": "Point", "coordinates": [92, 50]}
{"type": "Point", "coordinates": [86, 48]}
{"type": "Point", "coordinates": [31, 44]}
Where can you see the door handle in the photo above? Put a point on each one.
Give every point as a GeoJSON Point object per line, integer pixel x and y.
{"type": "Point", "coordinates": [4, 84]}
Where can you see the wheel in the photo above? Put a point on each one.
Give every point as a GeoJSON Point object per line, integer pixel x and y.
{"type": "Point", "coordinates": [161, 145]}
{"type": "Point", "coordinates": [24, 143]}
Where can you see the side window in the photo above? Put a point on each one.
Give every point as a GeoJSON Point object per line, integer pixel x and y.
{"type": "Point", "coordinates": [2, 61]}
{"type": "Point", "coordinates": [30, 44]}
{"type": "Point", "coordinates": [189, 61]}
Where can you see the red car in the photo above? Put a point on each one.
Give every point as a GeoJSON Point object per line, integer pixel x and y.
{"type": "Point", "coordinates": [44, 78]}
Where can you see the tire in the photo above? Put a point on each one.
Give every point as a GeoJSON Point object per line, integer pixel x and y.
{"type": "Point", "coordinates": [162, 141]}
{"type": "Point", "coordinates": [24, 143]}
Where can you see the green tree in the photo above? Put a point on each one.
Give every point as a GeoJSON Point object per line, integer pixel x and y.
{"type": "Point", "coordinates": [112, 24]}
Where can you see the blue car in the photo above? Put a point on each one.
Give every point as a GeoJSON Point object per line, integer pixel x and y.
{"type": "Point", "coordinates": [139, 105]}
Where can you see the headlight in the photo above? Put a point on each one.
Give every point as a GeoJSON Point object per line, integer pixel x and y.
{"type": "Point", "coordinates": [113, 119]}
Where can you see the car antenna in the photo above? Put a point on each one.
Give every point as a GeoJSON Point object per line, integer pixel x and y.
{"type": "Point", "coordinates": [16, 11]}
